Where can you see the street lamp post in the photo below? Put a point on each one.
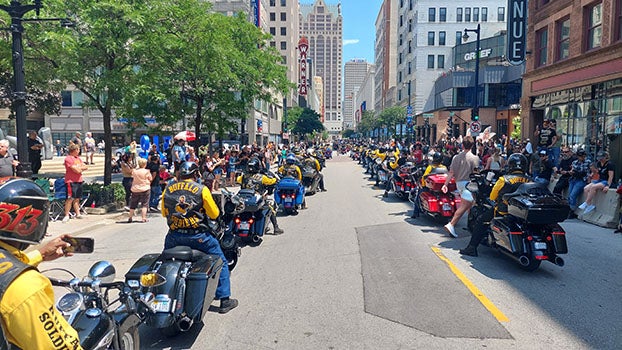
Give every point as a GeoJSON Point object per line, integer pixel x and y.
{"type": "Point", "coordinates": [17, 11]}
{"type": "Point", "coordinates": [465, 37]}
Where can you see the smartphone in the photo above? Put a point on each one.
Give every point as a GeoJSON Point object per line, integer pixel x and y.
{"type": "Point", "coordinates": [80, 245]}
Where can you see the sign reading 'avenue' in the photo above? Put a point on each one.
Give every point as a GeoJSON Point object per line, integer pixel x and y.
{"type": "Point", "coordinates": [517, 31]}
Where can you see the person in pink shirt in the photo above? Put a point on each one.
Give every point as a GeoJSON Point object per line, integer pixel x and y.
{"type": "Point", "coordinates": [73, 179]}
{"type": "Point", "coordinates": [141, 187]}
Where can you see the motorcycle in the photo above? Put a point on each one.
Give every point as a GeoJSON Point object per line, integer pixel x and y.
{"type": "Point", "coordinates": [310, 179]}
{"type": "Point", "coordinates": [100, 322]}
{"type": "Point", "coordinates": [252, 222]}
{"type": "Point", "coordinates": [483, 206]}
{"type": "Point", "coordinates": [189, 279]}
{"type": "Point", "coordinates": [233, 205]}
{"type": "Point", "coordinates": [530, 232]}
{"type": "Point", "coordinates": [404, 183]}
{"type": "Point", "coordinates": [432, 201]}
{"type": "Point", "coordinates": [290, 193]}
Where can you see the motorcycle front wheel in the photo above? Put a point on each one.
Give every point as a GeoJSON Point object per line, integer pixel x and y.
{"type": "Point", "coordinates": [130, 340]}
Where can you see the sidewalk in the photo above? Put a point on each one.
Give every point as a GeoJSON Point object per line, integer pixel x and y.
{"type": "Point", "coordinates": [88, 223]}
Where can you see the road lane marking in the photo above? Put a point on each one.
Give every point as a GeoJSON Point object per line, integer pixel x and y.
{"type": "Point", "coordinates": [500, 316]}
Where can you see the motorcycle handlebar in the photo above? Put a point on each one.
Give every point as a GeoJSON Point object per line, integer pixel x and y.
{"type": "Point", "coordinates": [63, 283]}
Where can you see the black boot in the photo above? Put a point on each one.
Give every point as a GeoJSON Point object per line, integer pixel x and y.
{"type": "Point", "coordinates": [227, 304]}
{"type": "Point", "coordinates": [278, 230]}
{"type": "Point", "coordinates": [386, 194]}
{"type": "Point", "coordinates": [469, 250]}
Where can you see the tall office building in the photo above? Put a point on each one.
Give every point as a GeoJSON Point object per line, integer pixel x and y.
{"type": "Point", "coordinates": [354, 73]}
{"type": "Point", "coordinates": [385, 55]}
{"type": "Point", "coordinates": [322, 25]}
{"type": "Point", "coordinates": [427, 32]}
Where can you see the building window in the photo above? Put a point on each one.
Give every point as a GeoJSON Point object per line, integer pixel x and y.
{"type": "Point", "coordinates": [399, 77]}
{"type": "Point", "coordinates": [401, 20]}
{"type": "Point", "coordinates": [440, 61]}
{"type": "Point", "coordinates": [594, 26]}
{"type": "Point", "coordinates": [430, 38]}
{"type": "Point", "coordinates": [431, 61]}
{"type": "Point", "coordinates": [467, 14]}
{"type": "Point", "coordinates": [476, 14]}
{"type": "Point", "coordinates": [442, 14]}
{"type": "Point", "coordinates": [401, 3]}
{"type": "Point", "coordinates": [272, 3]}
{"type": "Point", "coordinates": [283, 30]}
{"type": "Point", "coordinates": [441, 38]}
{"type": "Point", "coordinates": [283, 3]}
{"type": "Point", "coordinates": [283, 16]}
{"type": "Point", "coordinates": [272, 16]}
{"type": "Point", "coordinates": [501, 14]}
{"type": "Point", "coordinates": [399, 58]}
{"type": "Point", "coordinates": [410, 46]}
{"type": "Point", "coordinates": [459, 14]}
{"type": "Point", "coordinates": [541, 44]}
{"type": "Point", "coordinates": [272, 44]}
{"type": "Point", "coordinates": [458, 38]}
{"type": "Point", "coordinates": [431, 14]}
{"type": "Point", "coordinates": [410, 25]}
{"type": "Point", "coordinates": [563, 38]}
{"type": "Point", "coordinates": [399, 94]}
{"type": "Point", "coordinates": [273, 31]}
{"type": "Point", "coordinates": [410, 5]}
{"type": "Point", "coordinates": [410, 68]}
{"type": "Point", "coordinates": [484, 14]}
{"type": "Point", "coordinates": [401, 40]}
{"type": "Point", "coordinates": [283, 45]}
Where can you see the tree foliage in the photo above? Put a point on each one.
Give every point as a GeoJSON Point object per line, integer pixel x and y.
{"type": "Point", "coordinates": [392, 116]}
{"type": "Point", "coordinates": [308, 122]}
{"type": "Point", "coordinates": [368, 122]}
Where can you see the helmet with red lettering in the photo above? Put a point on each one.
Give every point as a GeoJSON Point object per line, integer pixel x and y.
{"type": "Point", "coordinates": [24, 211]}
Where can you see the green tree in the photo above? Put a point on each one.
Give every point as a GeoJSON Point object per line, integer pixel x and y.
{"type": "Point", "coordinates": [516, 133]}
{"type": "Point", "coordinates": [308, 122]}
{"type": "Point", "coordinates": [392, 116]}
{"type": "Point", "coordinates": [292, 116]}
{"type": "Point", "coordinates": [348, 133]}
{"type": "Point", "coordinates": [368, 122]}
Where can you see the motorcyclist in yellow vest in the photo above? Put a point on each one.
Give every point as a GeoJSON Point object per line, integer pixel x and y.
{"type": "Point", "coordinates": [397, 160]}
{"type": "Point", "coordinates": [517, 167]}
{"type": "Point", "coordinates": [290, 168]}
{"type": "Point", "coordinates": [29, 318]}
{"type": "Point", "coordinates": [255, 180]}
{"type": "Point", "coordinates": [311, 161]}
{"type": "Point", "coordinates": [187, 205]}
{"type": "Point", "coordinates": [437, 158]}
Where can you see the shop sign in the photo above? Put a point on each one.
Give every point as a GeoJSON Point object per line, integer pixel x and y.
{"type": "Point", "coordinates": [614, 126]}
{"type": "Point", "coordinates": [517, 31]}
{"type": "Point", "coordinates": [482, 54]}
{"type": "Point", "coordinates": [561, 97]}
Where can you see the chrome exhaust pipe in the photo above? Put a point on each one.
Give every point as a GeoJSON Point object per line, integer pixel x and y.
{"type": "Point", "coordinates": [185, 323]}
{"type": "Point", "coordinates": [255, 238]}
{"type": "Point", "coordinates": [559, 261]}
{"type": "Point", "coordinates": [523, 260]}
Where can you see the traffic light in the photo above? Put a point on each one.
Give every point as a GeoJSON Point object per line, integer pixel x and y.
{"type": "Point", "coordinates": [475, 114]}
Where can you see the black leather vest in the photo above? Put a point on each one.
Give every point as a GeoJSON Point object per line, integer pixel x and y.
{"type": "Point", "coordinates": [10, 268]}
{"type": "Point", "coordinates": [253, 182]}
{"type": "Point", "coordinates": [290, 170]}
{"type": "Point", "coordinates": [512, 182]}
{"type": "Point", "coordinates": [183, 202]}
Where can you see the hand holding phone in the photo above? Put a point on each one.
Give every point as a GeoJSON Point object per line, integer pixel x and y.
{"type": "Point", "coordinates": [79, 245]}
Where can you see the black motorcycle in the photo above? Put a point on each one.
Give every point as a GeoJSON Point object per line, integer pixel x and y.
{"type": "Point", "coordinates": [189, 281]}
{"type": "Point", "coordinates": [530, 232]}
{"type": "Point", "coordinates": [100, 322]}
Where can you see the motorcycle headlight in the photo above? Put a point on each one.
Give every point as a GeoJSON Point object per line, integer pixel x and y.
{"type": "Point", "coordinates": [69, 302]}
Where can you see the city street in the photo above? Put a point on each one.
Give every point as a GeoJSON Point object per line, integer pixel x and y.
{"type": "Point", "coordinates": [353, 271]}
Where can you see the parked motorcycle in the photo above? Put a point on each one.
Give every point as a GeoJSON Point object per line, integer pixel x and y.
{"type": "Point", "coordinates": [232, 206]}
{"type": "Point", "coordinates": [404, 183]}
{"type": "Point", "coordinates": [310, 179]}
{"type": "Point", "coordinates": [100, 322]}
{"type": "Point", "coordinates": [189, 281]}
{"type": "Point", "coordinates": [482, 210]}
{"type": "Point", "coordinates": [253, 221]}
{"type": "Point", "coordinates": [290, 193]}
{"type": "Point", "coordinates": [530, 233]}
{"type": "Point", "coordinates": [432, 201]}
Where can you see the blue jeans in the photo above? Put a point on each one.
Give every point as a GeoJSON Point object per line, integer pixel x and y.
{"type": "Point", "coordinates": [575, 187]}
{"type": "Point", "coordinates": [156, 191]}
{"type": "Point", "coordinates": [206, 243]}
{"type": "Point", "coordinates": [554, 155]}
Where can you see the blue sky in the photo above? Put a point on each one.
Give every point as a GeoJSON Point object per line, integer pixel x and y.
{"type": "Point", "coordinates": [359, 31]}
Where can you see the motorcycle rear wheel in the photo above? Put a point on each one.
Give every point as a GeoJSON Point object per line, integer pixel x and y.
{"type": "Point", "coordinates": [170, 331]}
{"type": "Point", "coordinates": [534, 264]}
{"type": "Point", "coordinates": [130, 340]}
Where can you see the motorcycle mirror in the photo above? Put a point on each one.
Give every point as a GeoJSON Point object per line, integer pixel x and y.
{"type": "Point", "coordinates": [103, 271]}
{"type": "Point", "coordinates": [152, 279]}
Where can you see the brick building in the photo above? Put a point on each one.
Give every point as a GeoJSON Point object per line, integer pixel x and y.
{"type": "Point", "coordinates": [574, 73]}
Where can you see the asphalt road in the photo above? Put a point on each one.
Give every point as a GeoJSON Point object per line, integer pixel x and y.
{"type": "Point", "coordinates": [354, 272]}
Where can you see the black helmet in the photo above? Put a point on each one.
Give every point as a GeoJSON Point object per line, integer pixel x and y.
{"type": "Point", "coordinates": [188, 170]}
{"type": "Point", "coordinates": [517, 161]}
{"type": "Point", "coordinates": [437, 158]}
{"type": "Point", "coordinates": [291, 159]}
{"type": "Point", "coordinates": [27, 208]}
{"type": "Point", "coordinates": [254, 165]}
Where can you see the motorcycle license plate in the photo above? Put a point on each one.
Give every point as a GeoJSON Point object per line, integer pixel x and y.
{"type": "Point", "coordinates": [539, 245]}
{"type": "Point", "coordinates": [244, 225]}
{"type": "Point", "coordinates": [446, 206]}
{"type": "Point", "coordinates": [161, 305]}
{"type": "Point", "coordinates": [288, 200]}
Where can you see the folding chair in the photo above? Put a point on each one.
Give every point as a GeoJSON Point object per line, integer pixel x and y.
{"type": "Point", "coordinates": [60, 193]}
{"type": "Point", "coordinates": [57, 205]}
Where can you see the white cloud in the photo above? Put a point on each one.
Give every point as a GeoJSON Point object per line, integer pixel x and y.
{"type": "Point", "coordinates": [350, 41]}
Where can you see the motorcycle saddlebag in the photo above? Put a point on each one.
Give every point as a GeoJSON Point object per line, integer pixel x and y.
{"type": "Point", "coordinates": [201, 285]}
{"type": "Point", "coordinates": [252, 201]}
{"type": "Point", "coordinates": [539, 210]}
{"type": "Point", "coordinates": [435, 182]}
{"type": "Point", "coordinates": [288, 183]}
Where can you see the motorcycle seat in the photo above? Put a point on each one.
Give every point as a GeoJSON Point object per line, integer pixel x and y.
{"type": "Point", "coordinates": [528, 189]}
{"type": "Point", "coordinates": [183, 253]}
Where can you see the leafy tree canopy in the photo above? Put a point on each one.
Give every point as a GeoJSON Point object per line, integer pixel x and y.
{"type": "Point", "coordinates": [308, 122]}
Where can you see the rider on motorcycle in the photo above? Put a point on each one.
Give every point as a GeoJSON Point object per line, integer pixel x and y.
{"type": "Point", "coordinates": [29, 318]}
{"type": "Point", "coordinates": [290, 168]}
{"type": "Point", "coordinates": [186, 204]}
{"type": "Point", "coordinates": [255, 180]}
{"type": "Point", "coordinates": [399, 159]}
{"type": "Point", "coordinates": [437, 160]}
{"type": "Point", "coordinates": [517, 167]}
{"type": "Point", "coordinates": [311, 161]}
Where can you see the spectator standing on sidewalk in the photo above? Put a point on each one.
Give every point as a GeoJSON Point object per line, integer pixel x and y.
{"type": "Point", "coordinates": [546, 135]}
{"type": "Point", "coordinates": [141, 186]}
{"type": "Point", "coordinates": [77, 140]}
{"type": "Point", "coordinates": [34, 151]}
{"type": "Point", "coordinates": [128, 163]}
{"type": "Point", "coordinates": [554, 155]}
{"type": "Point", "coordinates": [74, 167]}
{"type": "Point", "coordinates": [59, 148]}
{"type": "Point", "coordinates": [7, 162]}
{"type": "Point", "coordinates": [154, 167]}
{"type": "Point", "coordinates": [462, 165]}
{"type": "Point", "coordinates": [89, 148]}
